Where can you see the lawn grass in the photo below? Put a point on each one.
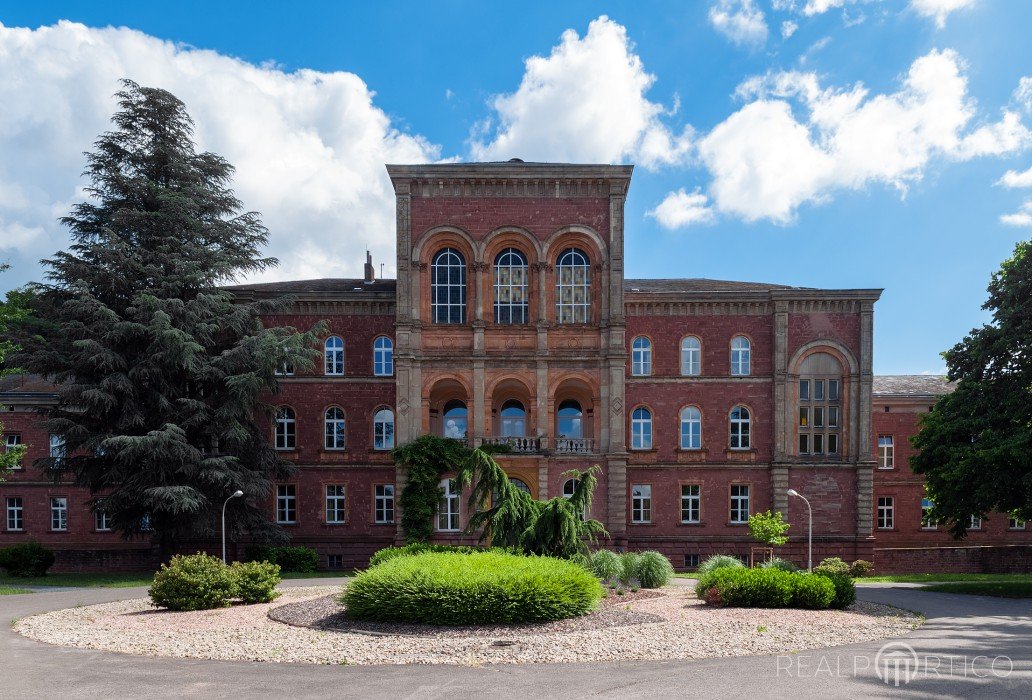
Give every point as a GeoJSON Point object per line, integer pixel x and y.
{"type": "Point", "coordinates": [127, 580]}
{"type": "Point", "coordinates": [1000, 589]}
{"type": "Point", "coordinates": [948, 578]}
{"type": "Point", "coordinates": [10, 590]}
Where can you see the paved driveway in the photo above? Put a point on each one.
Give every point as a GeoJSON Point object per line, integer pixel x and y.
{"type": "Point", "coordinates": [970, 647]}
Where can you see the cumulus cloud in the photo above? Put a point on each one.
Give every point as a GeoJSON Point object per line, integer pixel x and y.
{"type": "Point", "coordinates": [1022, 217]}
{"type": "Point", "coordinates": [308, 146]}
{"type": "Point", "coordinates": [680, 209]}
{"type": "Point", "coordinates": [741, 21]}
{"type": "Point", "coordinates": [585, 102]}
{"type": "Point", "coordinates": [1012, 179]}
{"type": "Point", "coordinates": [788, 28]}
{"type": "Point", "coordinates": [1023, 94]}
{"type": "Point", "coordinates": [939, 10]}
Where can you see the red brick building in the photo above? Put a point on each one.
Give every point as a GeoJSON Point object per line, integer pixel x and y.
{"type": "Point", "coordinates": [703, 401]}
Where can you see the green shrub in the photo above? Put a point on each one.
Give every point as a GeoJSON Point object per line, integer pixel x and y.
{"type": "Point", "coordinates": [654, 570]}
{"type": "Point", "coordinates": [606, 565]}
{"type": "Point", "coordinates": [193, 582]}
{"type": "Point", "coordinates": [860, 568]}
{"type": "Point", "coordinates": [26, 559]}
{"type": "Point", "coordinates": [295, 559]}
{"type": "Point", "coordinates": [812, 591]}
{"type": "Point", "coordinates": [778, 563]}
{"type": "Point", "coordinates": [747, 588]}
{"type": "Point", "coordinates": [845, 589]}
{"type": "Point", "coordinates": [629, 567]}
{"type": "Point", "coordinates": [832, 565]}
{"type": "Point", "coordinates": [451, 588]}
{"type": "Point", "coordinates": [388, 553]}
{"type": "Point", "coordinates": [719, 561]}
{"type": "Point", "coordinates": [256, 581]}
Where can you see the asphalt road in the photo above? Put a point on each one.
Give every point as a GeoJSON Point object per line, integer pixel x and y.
{"type": "Point", "coordinates": [970, 647]}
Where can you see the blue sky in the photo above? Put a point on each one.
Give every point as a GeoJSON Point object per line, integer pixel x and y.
{"type": "Point", "coordinates": [827, 143]}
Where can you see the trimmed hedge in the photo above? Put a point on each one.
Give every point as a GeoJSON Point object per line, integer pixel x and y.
{"type": "Point", "coordinates": [256, 581]}
{"type": "Point", "coordinates": [811, 591]}
{"type": "Point", "coordinates": [720, 561]}
{"type": "Point", "coordinates": [26, 559]}
{"type": "Point", "coordinates": [295, 559]}
{"type": "Point", "coordinates": [388, 553]}
{"type": "Point", "coordinates": [845, 589]}
{"type": "Point", "coordinates": [765, 588]}
{"type": "Point", "coordinates": [193, 582]}
{"type": "Point", "coordinates": [451, 588]}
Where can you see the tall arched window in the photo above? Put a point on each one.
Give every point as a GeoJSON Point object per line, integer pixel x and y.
{"type": "Point", "coordinates": [641, 429]}
{"type": "Point", "coordinates": [510, 287]}
{"type": "Point", "coordinates": [691, 428]}
{"type": "Point", "coordinates": [570, 420]}
{"type": "Point", "coordinates": [334, 429]}
{"type": "Point", "coordinates": [521, 485]}
{"type": "Point", "coordinates": [739, 419]}
{"type": "Point", "coordinates": [514, 419]}
{"type": "Point", "coordinates": [573, 287]}
{"type": "Point", "coordinates": [333, 356]}
{"type": "Point", "coordinates": [383, 429]}
{"type": "Point", "coordinates": [569, 487]}
{"type": "Point", "coordinates": [741, 361]}
{"type": "Point", "coordinates": [641, 356]}
{"type": "Point", "coordinates": [383, 356]}
{"type": "Point", "coordinates": [691, 357]}
{"type": "Point", "coordinates": [455, 420]}
{"type": "Point", "coordinates": [448, 287]}
{"type": "Point", "coordinates": [286, 428]}
{"type": "Point", "coordinates": [820, 404]}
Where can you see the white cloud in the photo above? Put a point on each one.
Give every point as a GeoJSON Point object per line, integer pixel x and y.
{"type": "Point", "coordinates": [1023, 94]}
{"type": "Point", "coordinates": [308, 146]}
{"type": "Point", "coordinates": [819, 7]}
{"type": "Point", "coordinates": [585, 102]}
{"type": "Point", "coordinates": [788, 28]}
{"type": "Point", "coordinates": [939, 10]}
{"type": "Point", "coordinates": [1022, 217]}
{"type": "Point", "coordinates": [740, 21]}
{"type": "Point", "coordinates": [1012, 179]}
{"type": "Point", "coordinates": [680, 209]}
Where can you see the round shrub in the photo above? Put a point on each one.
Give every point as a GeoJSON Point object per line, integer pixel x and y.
{"type": "Point", "coordinates": [193, 582]}
{"type": "Point", "coordinates": [450, 588]}
{"type": "Point", "coordinates": [606, 565]}
{"type": "Point", "coordinates": [720, 561]}
{"type": "Point", "coordinates": [832, 565]}
{"type": "Point", "coordinates": [812, 591]}
{"type": "Point", "coordinates": [629, 567]}
{"type": "Point", "coordinates": [765, 588]}
{"type": "Point", "coordinates": [778, 563]}
{"type": "Point", "coordinates": [388, 553]}
{"type": "Point", "coordinates": [26, 559]}
{"type": "Point", "coordinates": [654, 570]}
{"type": "Point", "coordinates": [845, 589]}
{"type": "Point", "coordinates": [860, 568]}
{"type": "Point", "coordinates": [256, 581]}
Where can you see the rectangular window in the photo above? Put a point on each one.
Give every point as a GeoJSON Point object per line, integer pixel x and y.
{"type": "Point", "coordinates": [927, 523]}
{"type": "Point", "coordinates": [818, 389]}
{"type": "Point", "coordinates": [448, 508]}
{"type": "Point", "coordinates": [384, 503]}
{"type": "Point", "coordinates": [335, 504]}
{"type": "Point", "coordinates": [11, 441]}
{"type": "Point", "coordinates": [833, 389]}
{"type": "Point", "coordinates": [818, 443]}
{"type": "Point", "coordinates": [804, 444]}
{"type": "Point", "coordinates": [739, 503]}
{"type": "Point", "coordinates": [804, 417]}
{"type": "Point", "coordinates": [832, 416]}
{"type": "Point", "coordinates": [334, 561]}
{"type": "Point", "coordinates": [818, 416]}
{"type": "Point", "coordinates": [886, 513]}
{"type": "Point", "coordinates": [976, 523]}
{"type": "Point", "coordinates": [59, 514]}
{"type": "Point", "coordinates": [833, 443]}
{"type": "Point", "coordinates": [641, 503]}
{"type": "Point", "coordinates": [57, 447]}
{"type": "Point", "coordinates": [691, 503]}
{"type": "Point", "coordinates": [1016, 524]}
{"type": "Point", "coordinates": [691, 561]}
{"type": "Point", "coordinates": [284, 369]}
{"type": "Point", "coordinates": [804, 389]}
{"type": "Point", "coordinates": [286, 504]}
{"type": "Point", "coordinates": [101, 519]}
{"type": "Point", "coordinates": [885, 457]}
{"type": "Point", "coordinates": [15, 513]}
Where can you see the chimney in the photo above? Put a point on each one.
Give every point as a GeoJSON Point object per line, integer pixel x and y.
{"type": "Point", "coordinates": [370, 276]}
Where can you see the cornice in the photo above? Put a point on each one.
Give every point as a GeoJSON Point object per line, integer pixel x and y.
{"type": "Point", "coordinates": [510, 179]}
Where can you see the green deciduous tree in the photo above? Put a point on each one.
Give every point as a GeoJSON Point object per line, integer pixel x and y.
{"type": "Point", "coordinates": [976, 443]}
{"type": "Point", "coordinates": [769, 528]}
{"type": "Point", "coordinates": [161, 372]}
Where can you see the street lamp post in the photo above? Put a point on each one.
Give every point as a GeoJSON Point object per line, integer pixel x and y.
{"type": "Point", "coordinates": [809, 532]}
{"type": "Point", "coordinates": [237, 494]}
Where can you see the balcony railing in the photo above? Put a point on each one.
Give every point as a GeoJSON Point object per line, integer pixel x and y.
{"type": "Point", "coordinates": [517, 445]}
{"type": "Point", "coordinates": [574, 446]}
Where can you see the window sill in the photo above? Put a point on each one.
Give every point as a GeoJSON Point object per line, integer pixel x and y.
{"type": "Point", "coordinates": [742, 524]}
{"type": "Point", "coordinates": [292, 523]}
{"type": "Point", "coordinates": [643, 524]}
{"type": "Point", "coordinates": [385, 524]}
{"type": "Point", "coordinates": [336, 523]}
{"type": "Point", "coordinates": [691, 523]}
{"type": "Point", "coordinates": [644, 450]}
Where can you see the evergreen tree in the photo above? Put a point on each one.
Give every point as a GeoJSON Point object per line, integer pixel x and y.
{"type": "Point", "coordinates": [976, 444]}
{"type": "Point", "coordinates": [11, 311]}
{"type": "Point", "coordinates": [161, 373]}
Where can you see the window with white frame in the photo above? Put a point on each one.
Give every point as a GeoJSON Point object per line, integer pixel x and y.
{"type": "Point", "coordinates": [334, 429]}
{"type": "Point", "coordinates": [927, 522]}
{"type": "Point", "coordinates": [333, 356]}
{"type": "Point", "coordinates": [572, 287]}
{"type": "Point", "coordinates": [511, 300]}
{"type": "Point", "coordinates": [741, 359]}
{"type": "Point", "coordinates": [336, 501]}
{"type": "Point", "coordinates": [739, 504]}
{"type": "Point", "coordinates": [641, 503]}
{"type": "Point", "coordinates": [569, 488]}
{"type": "Point", "coordinates": [383, 503]}
{"type": "Point", "coordinates": [448, 287]}
{"type": "Point", "coordinates": [1015, 523]}
{"type": "Point", "coordinates": [641, 356]}
{"type": "Point", "coordinates": [58, 449]}
{"type": "Point", "coordinates": [448, 508]}
{"type": "Point", "coordinates": [691, 357]}
{"type": "Point", "coordinates": [691, 503]}
{"type": "Point", "coordinates": [101, 518]}
{"type": "Point", "coordinates": [885, 452]}
{"type": "Point", "coordinates": [641, 429]}
{"type": "Point", "coordinates": [383, 357]}
{"type": "Point", "coordinates": [740, 423]}
{"type": "Point", "coordinates": [15, 514]}
{"type": "Point", "coordinates": [976, 523]}
{"type": "Point", "coordinates": [284, 368]}
{"type": "Point", "coordinates": [886, 513]}
{"type": "Point", "coordinates": [819, 405]}
{"type": "Point", "coordinates": [286, 504]}
{"type": "Point", "coordinates": [691, 428]}
{"type": "Point", "coordinates": [59, 513]}
{"type": "Point", "coordinates": [383, 429]}
{"type": "Point", "coordinates": [12, 441]}
{"type": "Point", "coordinates": [286, 429]}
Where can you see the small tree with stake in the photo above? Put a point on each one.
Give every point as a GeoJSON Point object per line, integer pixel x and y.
{"type": "Point", "coordinates": [769, 529]}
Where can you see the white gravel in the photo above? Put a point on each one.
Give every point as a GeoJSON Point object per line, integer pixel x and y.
{"type": "Point", "coordinates": [245, 633]}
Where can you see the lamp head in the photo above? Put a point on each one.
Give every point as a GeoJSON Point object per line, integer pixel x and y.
{"type": "Point", "coordinates": [238, 494]}
{"type": "Point", "coordinates": [793, 492]}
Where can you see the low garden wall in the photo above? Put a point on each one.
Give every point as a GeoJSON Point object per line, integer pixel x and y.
{"type": "Point", "coordinates": [986, 559]}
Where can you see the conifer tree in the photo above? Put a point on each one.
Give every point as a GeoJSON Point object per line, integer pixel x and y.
{"type": "Point", "coordinates": [11, 311]}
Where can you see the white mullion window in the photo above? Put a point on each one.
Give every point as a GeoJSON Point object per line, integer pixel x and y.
{"type": "Point", "coordinates": [59, 513]}
{"type": "Point", "coordinates": [691, 503]}
{"type": "Point", "coordinates": [927, 522]}
{"type": "Point", "coordinates": [573, 287]}
{"type": "Point", "coordinates": [641, 503]}
{"type": "Point", "coordinates": [448, 287]}
{"type": "Point", "coordinates": [739, 504]}
{"type": "Point", "coordinates": [286, 429]}
{"type": "Point", "coordinates": [641, 356]}
{"type": "Point", "coordinates": [286, 504]}
{"type": "Point", "coordinates": [383, 505]}
{"type": "Point", "coordinates": [336, 504]}
{"type": "Point", "coordinates": [741, 356]}
{"type": "Point", "coordinates": [101, 518]}
{"type": "Point", "coordinates": [15, 514]}
{"type": "Point", "coordinates": [510, 287]}
{"type": "Point", "coordinates": [333, 356]}
{"type": "Point", "coordinates": [691, 357]}
{"type": "Point", "coordinates": [383, 429]}
{"type": "Point", "coordinates": [641, 429]}
{"type": "Point", "coordinates": [691, 428]}
{"type": "Point", "coordinates": [740, 424]}
{"type": "Point", "coordinates": [886, 513]}
{"type": "Point", "coordinates": [885, 452]}
{"type": "Point", "coordinates": [334, 429]}
{"type": "Point", "coordinates": [448, 510]}
{"type": "Point", "coordinates": [383, 357]}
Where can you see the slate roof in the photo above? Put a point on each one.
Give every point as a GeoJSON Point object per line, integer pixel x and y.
{"type": "Point", "coordinates": [319, 286]}
{"type": "Point", "coordinates": [698, 285]}
{"type": "Point", "coordinates": [911, 385]}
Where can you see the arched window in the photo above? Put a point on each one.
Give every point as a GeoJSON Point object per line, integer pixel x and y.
{"type": "Point", "coordinates": [569, 486]}
{"type": "Point", "coordinates": [514, 419]}
{"type": "Point", "coordinates": [333, 356]}
{"type": "Point", "coordinates": [570, 420]}
{"type": "Point", "coordinates": [691, 357]}
{"type": "Point", "coordinates": [383, 429]}
{"type": "Point", "coordinates": [641, 429]}
{"type": "Point", "coordinates": [455, 420]}
{"type": "Point", "coordinates": [383, 356]}
{"type": "Point", "coordinates": [448, 287]}
{"type": "Point", "coordinates": [739, 419]}
{"type": "Point", "coordinates": [691, 428]}
{"type": "Point", "coordinates": [820, 404]}
{"type": "Point", "coordinates": [286, 428]}
{"type": "Point", "coordinates": [521, 485]}
{"type": "Point", "coordinates": [741, 362]}
{"type": "Point", "coordinates": [335, 434]}
{"type": "Point", "coordinates": [510, 287]}
{"type": "Point", "coordinates": [641, 356]}
{"type": "Point", "coordinates": [573, 287]}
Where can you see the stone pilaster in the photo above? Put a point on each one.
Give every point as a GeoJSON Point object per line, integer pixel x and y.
{"type": "Point", "coordinates": [779, 488]}
{"type": "Point", "coordinates": [864, 499]}
{"type": "Point", "coordinates": [782, 423]}
{"type": "Point", "coordinates": [863, 445]}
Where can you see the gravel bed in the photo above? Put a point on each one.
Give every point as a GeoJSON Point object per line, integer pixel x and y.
{"type": "Point", "coordinates": [690, 630]}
